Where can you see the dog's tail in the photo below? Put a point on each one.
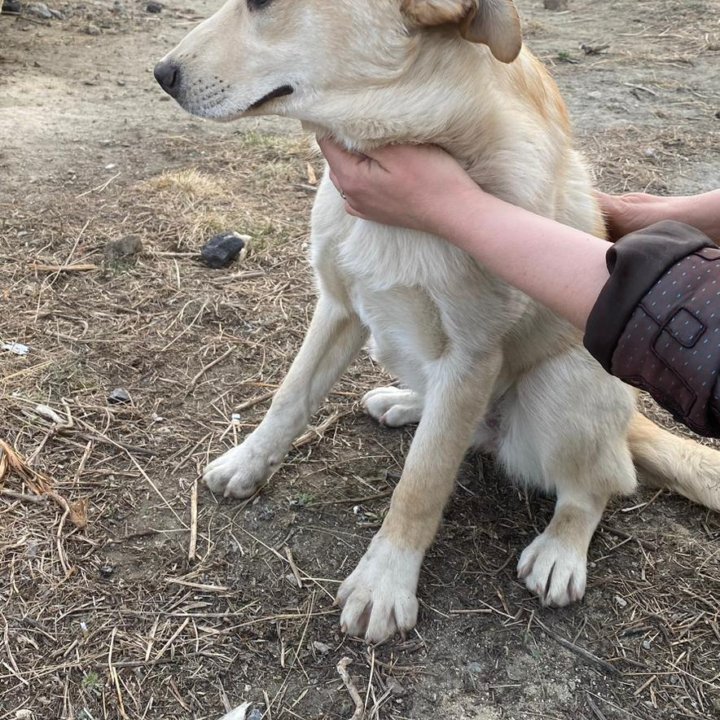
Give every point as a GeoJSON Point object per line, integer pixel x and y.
{"type": "Point", "coordinates": [675, 463]}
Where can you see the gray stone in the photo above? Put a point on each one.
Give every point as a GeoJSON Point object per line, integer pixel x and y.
{"type": "Point", "coordinates": [119, 396]}
{"type": "Point", "coordinates": [222, 249]}
{"type": "Point", "coordinates": [40, 10]}
{"type": "Point", "coordinates": [12, 7]}
{"type": "Point", "coordinates": [124, 248]}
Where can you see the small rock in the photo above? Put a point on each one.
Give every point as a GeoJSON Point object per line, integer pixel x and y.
{"type": "Point", "coordinates": [92, 30]}
{"type": "Point", "coordinates": [239, 713]}
{"type": "Point", "coordinates": [556, 4]}
{"type": "Point", "coordinates": [620, 602]}
{"type": "Point", "coordinates": [106, 571]}
{"type": "Point", "coordinates": [395, 688]}
{"type": "Point", "coordinates": [222, 249]}
{"type": "Point", "coordinates": [255, 714]}
{"type": "Point", "coordinates": [154, 7]}
{"type": "Point", "coordinates": [15, 348]}
{"type": "Point", "coordinates": [49, 414]}
{"type": "Point", "coordinates": [646, 644]}
{"type": "Point", "coordinates": [717, 114]}
{"type": "Point", "coordinates": [119, 396]}
{"type": "Point", "coordinates": [322, 648]}
{"type": "Point", "coordinates": [123, 248]}
{"type": "Point", "coordinates": [41, 10]}
{"type": "Point", "coordinates": [12, 7]}
{"type": "Point", "coordinates": [24, 715]}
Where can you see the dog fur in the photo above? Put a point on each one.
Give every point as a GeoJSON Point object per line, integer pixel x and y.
{"type": "Point", "coordinates": [466, 346]}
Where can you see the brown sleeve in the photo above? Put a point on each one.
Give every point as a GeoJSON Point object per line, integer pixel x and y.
{"type": "Point", "coordinates": [656, 323]}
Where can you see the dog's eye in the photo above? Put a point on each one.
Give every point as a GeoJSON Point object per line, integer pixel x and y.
{"type": "Point", "coordinates": [258, 4]}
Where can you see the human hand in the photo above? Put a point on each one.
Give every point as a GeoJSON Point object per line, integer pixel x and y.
{"type": "Point", "coordinates": [630, 212]}
{"type": "Point", "coordinates": [410, 186]}
{"type": "Point", "coordinates": [626, 213]}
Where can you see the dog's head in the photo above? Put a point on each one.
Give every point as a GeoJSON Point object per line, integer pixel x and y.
{"type": "Point", "coordinates": [287, 56]}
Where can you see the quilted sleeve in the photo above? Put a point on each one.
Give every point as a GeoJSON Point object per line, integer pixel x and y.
{"type": "Point", "coordinates": [656, 323]}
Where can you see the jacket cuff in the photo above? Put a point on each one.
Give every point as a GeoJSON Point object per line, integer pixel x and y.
{"type": "Point", "coordinates": [635, 264]}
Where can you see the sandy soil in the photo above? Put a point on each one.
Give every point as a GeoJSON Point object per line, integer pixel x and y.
{"type": "Point", "coordinates": [106, 611]}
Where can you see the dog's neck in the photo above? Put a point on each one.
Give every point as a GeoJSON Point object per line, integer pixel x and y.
{"type": "Point", "coordinates": [468, 116]}
{"type": "Point", "coordinates": [456, 96]}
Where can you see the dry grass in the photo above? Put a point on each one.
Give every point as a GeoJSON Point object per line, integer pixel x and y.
{"type": "Point", "coordinates": [168, 603]}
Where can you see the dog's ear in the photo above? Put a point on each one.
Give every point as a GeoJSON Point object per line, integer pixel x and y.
{"type": "Point", "coordinates": [494, 23]}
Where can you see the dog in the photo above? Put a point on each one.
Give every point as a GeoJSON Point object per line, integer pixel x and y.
{"type": "Point", "coordinates": [479, 362]}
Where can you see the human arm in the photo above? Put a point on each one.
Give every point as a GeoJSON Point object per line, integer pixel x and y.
{"type": "Point", "coordinates": [650, 304]}
{"type": "Point", "coordinates": [423, 188]}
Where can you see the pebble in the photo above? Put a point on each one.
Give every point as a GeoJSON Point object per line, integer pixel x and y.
{"type": "Point", "coordinates": [93, 30]}
{"type": "Point", "coordinates": [49, 414]}
{"type": "Point", "coordinates": [11, 6]}
{"type": "Point", "coordinates": [556, 4]}
{"type": "Point", "coordinates": [620, 602]}
{"type": "Point", "coordinates": [119, 396]}
{"type": "Point", "coordinates": [15, 348]}
{"type": "Point", "coordinates": [106, 571]}
{"type": "Point", "coordinates": [255, 714]}
{"type": "Point", "coordinates": [154, 7]}
{"type": "Point", "coordinates": [222, 249]}
{"type": "Point", "coordinates": [395, 688]}
{"type": "Point", "coordinates": [41, 10]}
{"type": "Point", "coordinates": [321, 647]}
{"type": "Point", "coordinates": [124, 248]}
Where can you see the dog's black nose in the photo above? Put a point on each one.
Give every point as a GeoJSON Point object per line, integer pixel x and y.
{"type": "Point", "coordinates": [167, 73]}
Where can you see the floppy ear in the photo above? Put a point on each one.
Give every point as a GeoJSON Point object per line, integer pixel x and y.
{"type": "Point", "coordinates": [494, 23]}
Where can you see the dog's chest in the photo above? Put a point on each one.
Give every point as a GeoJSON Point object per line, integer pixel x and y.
{"type": "Point", "coordinates": [421, 291]}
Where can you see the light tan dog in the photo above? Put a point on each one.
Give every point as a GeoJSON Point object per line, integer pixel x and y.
{"type": "Point", "coordinates": [466, 346]}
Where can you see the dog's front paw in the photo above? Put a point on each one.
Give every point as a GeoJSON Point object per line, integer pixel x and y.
{"type": "Point", "coordinates": [378, 599]}
{"type": "Point", "coordinates": [242, 470]}
{"type": "Point", "coordinates": [554, 570]}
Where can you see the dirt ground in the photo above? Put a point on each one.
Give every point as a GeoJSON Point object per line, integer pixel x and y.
{"type": "Point", "coordinates": [131, 592]}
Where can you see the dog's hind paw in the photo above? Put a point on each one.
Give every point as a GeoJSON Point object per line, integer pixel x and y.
{"type": "Point", "coordinates": [378, 598]}
{"type": "Point", "coordinates": [393, 406]}
{"type": "Point", "coordinates": [241, 470]}
{"type": "Point", "coordinates": [554, 570]}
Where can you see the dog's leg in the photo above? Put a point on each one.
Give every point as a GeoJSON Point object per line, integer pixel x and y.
{"type": "Point", "coordinates": [553, 566]}
{"type": "Point", "coordinates": [378, 598]}
{"type": "Point", "coordinates": [333, 339]}
{"type": "Point", "coordinates": [564, 429]}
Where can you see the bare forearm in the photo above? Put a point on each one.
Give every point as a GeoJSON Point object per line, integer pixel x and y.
{"type": "Point", "coordinates": [559, 266]}
{"type": "Point", "coordinates": [700, 211]}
